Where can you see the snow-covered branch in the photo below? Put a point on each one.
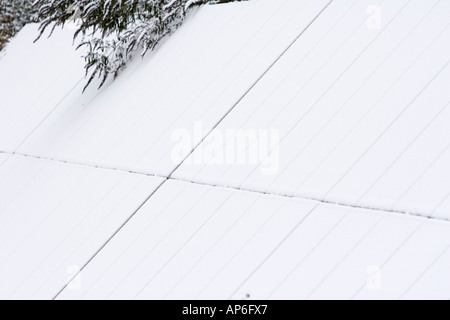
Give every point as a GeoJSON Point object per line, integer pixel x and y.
{"type": "Point", "coordinates": [112, 30]}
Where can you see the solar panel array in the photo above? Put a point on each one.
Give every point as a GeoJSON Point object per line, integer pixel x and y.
{"type": "Point", "coordinates": [93, 204]}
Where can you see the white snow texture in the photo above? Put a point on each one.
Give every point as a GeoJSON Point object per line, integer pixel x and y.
{"type": "Point", "coordinates": [92, 205]}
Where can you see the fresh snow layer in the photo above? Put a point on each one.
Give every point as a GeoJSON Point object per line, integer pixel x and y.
{"type": "Point", "coordinates": [198, 74]}
{"type": "Point", "coordinates": [34, 78]}
{"type": "Point", "coordinates": [204, 242]}
{"type": "Point", "coordinates": [362, 114]}
{"type": "Point", "coordinates": [54, 217]}
{"type": "Point", "coordinates": [3, 157]}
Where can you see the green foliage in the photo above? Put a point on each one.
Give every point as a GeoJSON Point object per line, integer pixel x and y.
{"type": "Point", "coordinates": [14, 14]}
{"type": "Point", "coordinates": [112, 30]}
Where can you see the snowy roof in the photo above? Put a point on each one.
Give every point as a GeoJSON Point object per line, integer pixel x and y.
{"type": "Point", "coordinates": [357, 205]}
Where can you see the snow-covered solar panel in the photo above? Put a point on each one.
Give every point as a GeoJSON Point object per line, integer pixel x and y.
{"type": "Point", "coordinates": [204, 242]}
{"type": "Point", "coordinates": [349, 100]}
{"type": "Point", "coordinates": [197, 74]}
{"type": "Point", "coordinates": [34, 78]}
{"type": "Point", "coordinates": [54, 217]}
{"type": "Point", "coordinates": [432, 279]}
{"type": "Point", "coordinates": [3, 157]}
{"type": "Point", "coordinates": [362, 112]}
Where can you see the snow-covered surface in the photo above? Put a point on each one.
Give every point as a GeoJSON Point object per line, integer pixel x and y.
{"type": "Point", "coordinates": [34, 78]}
{"type": "Point", "coordinates": [3, 157]}
{"type": "Point", "coordinates": [363, 114]}
{"type": "Point", "coordinates": [214, 243]}
{"type": "Point", "coordinates": [54, 217]}
{"type": "Point", "coordinates": [197, 75]}
{"type": "Point", "coordinates": [363, 120]}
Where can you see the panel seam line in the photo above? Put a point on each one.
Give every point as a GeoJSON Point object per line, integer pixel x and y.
{"type": "Point", "coordinates": [242, 189]}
